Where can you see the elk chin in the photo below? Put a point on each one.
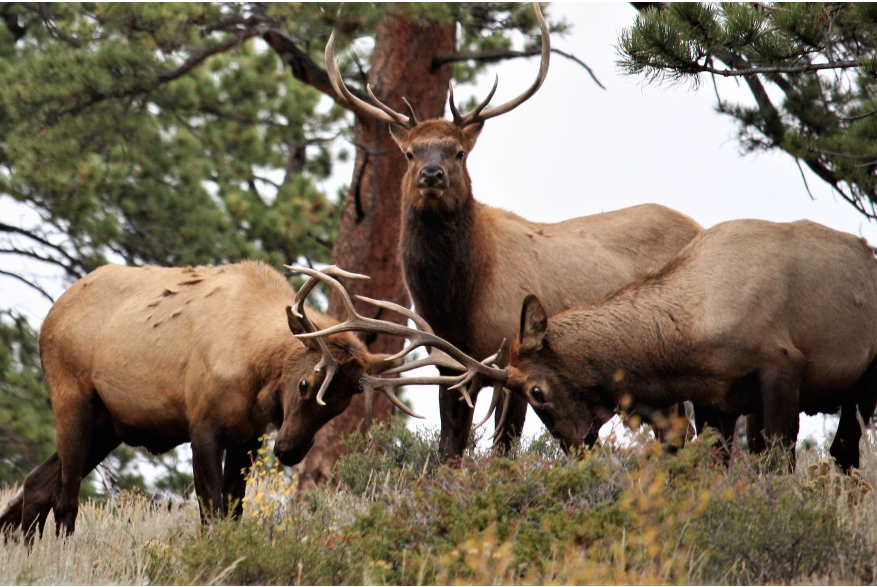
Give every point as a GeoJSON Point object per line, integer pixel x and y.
{"type": "Point", "coordinates": [432, 193]}
{"type": "Point", "coordinates": [294, 456]}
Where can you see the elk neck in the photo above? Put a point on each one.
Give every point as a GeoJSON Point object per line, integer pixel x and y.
{"type": "Point", "coordinates": [636, 343]}
{"type": "Point", "coordinates": [447, 258]}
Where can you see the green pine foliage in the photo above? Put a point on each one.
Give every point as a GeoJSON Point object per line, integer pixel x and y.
{"type": "Point", "coordinates": [178, 134]}
{"type": "Point", "coordinates": [819, 58]}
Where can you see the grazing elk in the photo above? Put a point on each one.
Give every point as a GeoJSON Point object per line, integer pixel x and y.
{"type": "Point", "coordinates": [157, 357]}
{"type": "Point", "coordinates": [468, 266]}
{"type": "Point", "coordinates": [751, 318]}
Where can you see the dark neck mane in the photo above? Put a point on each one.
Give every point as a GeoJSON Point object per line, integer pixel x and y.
{"type": "Point", "coordinates": [444, 259]}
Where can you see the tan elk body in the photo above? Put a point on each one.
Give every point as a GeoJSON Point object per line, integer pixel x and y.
{"type": "Point", "coordinates": [156, 357]}
{"type": "Point", "coordinates": [469, 266]}
{"type": "Point", "coordinates": [752, 317]}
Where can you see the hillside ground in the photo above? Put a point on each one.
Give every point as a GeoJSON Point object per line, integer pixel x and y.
{"type": "Point", "coordinates": [622, 514]}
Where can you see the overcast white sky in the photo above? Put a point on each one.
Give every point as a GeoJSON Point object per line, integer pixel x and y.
{"type": "Point", "coordinates": [574, 149]}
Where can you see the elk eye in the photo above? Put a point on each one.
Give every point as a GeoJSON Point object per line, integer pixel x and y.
{"type": "Point", "coordinates": [303, 386]}
{"type": "Point", "coordinates": [460, 155]}
{"type": "Point", "coordinates": [410, 156]}
{"type": "Point", "coordinates": [538, 395]}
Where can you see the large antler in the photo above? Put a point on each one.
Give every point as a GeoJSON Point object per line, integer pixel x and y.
{"type": "Point", "coordinates": [377, 110]}
{"type": "Point", "coordinates": [474, 372]}
{"type": "Point", "coordinates": [479, 114]}
{"type": "Point", "coordinates": [298, 310]}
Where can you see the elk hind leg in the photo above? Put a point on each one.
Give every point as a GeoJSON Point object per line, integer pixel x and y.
{"type": "Point", "coordinates": [861, 402]}
{"type": "Point", "coordinates": [39, 495]}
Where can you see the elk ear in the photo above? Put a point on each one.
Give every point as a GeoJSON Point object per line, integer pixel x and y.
{"type": "Point", "coordinates": [399, 134]}
{"type": "Point", "coordinates": [377, 364]}
{"type": "Point", "coordinates": [472, 131]}
{"type": "Point", "coordinates": [297, 327]}
{"type": "Point", "coordinates": [534, 323]}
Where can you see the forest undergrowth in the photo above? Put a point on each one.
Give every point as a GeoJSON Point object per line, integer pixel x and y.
{"type": "Point", "coordinates": [624, 513]}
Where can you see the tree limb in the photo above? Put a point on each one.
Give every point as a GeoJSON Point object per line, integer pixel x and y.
{"type": "Point", "coordinates": [199, 56]}
{"type": "Point", "coordinates": [26, 282]}
{"type": "Point", "coordinates": [304, 68]}
{"type": "Point", "coordinates": [501, 54]}
{"type": "Point", "coordinates": [777, 69]}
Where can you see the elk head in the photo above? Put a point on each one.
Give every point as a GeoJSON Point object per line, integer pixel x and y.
{"type": "Point", "coordinates": [315, 390]}
{"type": "Point", "coordinates": [572, 403]}
{"type": "Point", "coordinates": [436, 150]}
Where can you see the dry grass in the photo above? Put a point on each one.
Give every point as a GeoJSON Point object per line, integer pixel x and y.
{"type": "Point", "coordinates": [622, 515]}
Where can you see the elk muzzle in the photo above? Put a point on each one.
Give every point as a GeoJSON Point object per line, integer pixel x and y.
{"type": "Point", "coordinates": [432, 180]}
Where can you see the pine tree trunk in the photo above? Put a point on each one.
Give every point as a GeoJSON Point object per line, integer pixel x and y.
{"type": "Point", "coordinates": [368, 236]}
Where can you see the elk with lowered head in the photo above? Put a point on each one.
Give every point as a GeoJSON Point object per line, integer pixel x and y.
{"type": "Point", "coordinates": [751, 318]}
{"type": "Point", "coordinates": [156, 357]}
{"type": "Point", "coordinates": [468, 266]}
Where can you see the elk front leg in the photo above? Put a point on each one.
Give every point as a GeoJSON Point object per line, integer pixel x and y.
{"type": "Point", "coordinates": [456, 418]}
{"type": "Point", "coordinates": [755, 432]}
{"type": "Point", "coordinates": [238, 462]}
{"type": "Point", "coordinates": [207, 470]}
{"type": "Point", "coordinates": [514, 424]}
{"type": "Point", "coordinates": [724, 423]}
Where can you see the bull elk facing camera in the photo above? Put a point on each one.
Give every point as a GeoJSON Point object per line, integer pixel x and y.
{"type": "Point", "coordinates": [468, 266]}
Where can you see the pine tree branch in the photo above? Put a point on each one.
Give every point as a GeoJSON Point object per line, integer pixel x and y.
{"type": "Point", "coordinates": [199, 56]}
{"type": "Point", "coordinates": [502, 54]}
{"type": "Point", "coordinates": [774, 127]}
{"type": "Point", "coordinates": [304, 68]}
{"type": "Point", "coordinates": [29, 283]}
{"type": "Point", "coordinates": [697, 67]}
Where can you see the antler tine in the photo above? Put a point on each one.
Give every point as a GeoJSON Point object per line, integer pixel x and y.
{"type": "Point", "coordinates": [503, 420]}
{"type": "Point", "coordinates": [402, 310]}
{"type": "Point", "coordinates": [435, 359]}
{"type": "Point", "coordinates": [458, 118]}
{"type": "Point", "coordinates": [327, 362]}
{"type": "Point", "coordinates": [479, 115]}
{"type": "Point", "coordinates": [472, 117]}
{"type": "Point", "coordinates": [494, 401]}
{"type": "Point", "coordinates": [379, 111]}
{"type": "Point", "coordinates": [384, 386]}
{"type": "Point", "coordinates": [411, 113]}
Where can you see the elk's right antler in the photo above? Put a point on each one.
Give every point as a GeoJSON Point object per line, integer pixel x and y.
{"type": "Point", "coordinates": [479, 114]}
{"type": "Point", "coordinates": [474, 372]}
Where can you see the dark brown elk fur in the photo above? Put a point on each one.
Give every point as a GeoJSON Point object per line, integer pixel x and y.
{"type": "Point", "coordinates": [751, 318]}
{"type": "Point", "coordinates": [157, 357]}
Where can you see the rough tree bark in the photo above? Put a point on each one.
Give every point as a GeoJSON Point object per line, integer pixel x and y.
{"type": "Point", "coordinates": [368, 236]}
